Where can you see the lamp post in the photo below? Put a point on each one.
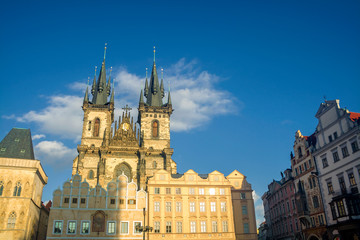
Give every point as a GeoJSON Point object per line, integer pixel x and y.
{"type": "Point", "coordinates": [144, 228]}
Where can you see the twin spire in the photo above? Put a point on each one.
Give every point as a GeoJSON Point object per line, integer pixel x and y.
{"type": "Point", "coordinates": [154, 92]}
{"type": "Point", "coordinates": [100, 88]}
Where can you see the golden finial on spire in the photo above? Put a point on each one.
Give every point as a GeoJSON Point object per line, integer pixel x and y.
{"type": "Point", "coordinates": [105, 51]}
{"type": "Point", "coordinates": [154, 53]}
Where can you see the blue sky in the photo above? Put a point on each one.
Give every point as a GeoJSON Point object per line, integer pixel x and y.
{"type": "Point", "coordinates": [245, 75]}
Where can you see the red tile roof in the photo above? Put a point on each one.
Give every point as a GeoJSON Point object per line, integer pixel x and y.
{"type": "Point", "coordinates": [354, 116]}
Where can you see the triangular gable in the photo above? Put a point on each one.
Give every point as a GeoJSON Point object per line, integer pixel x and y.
{"type": "Point", "coordinates": [324, 107]}
{"type": "Point", "coordinates": [236, 174]}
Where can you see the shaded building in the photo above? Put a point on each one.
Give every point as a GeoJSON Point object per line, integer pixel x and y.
{"type": "Point", "coordinates": [22, 180]}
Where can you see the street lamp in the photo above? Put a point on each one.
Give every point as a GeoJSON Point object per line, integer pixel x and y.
{"type": "Point", "coordinates": [144, 228]}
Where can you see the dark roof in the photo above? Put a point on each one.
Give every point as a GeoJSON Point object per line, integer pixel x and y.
{"type": "Point", "coordinates": [203, 176]}
{"type": "Point", "coordinates": [17, 144]}
{"type": "Point", "coordinates": [179, 175]}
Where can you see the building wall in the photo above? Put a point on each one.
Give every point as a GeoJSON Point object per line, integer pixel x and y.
{"type": "Point", "coordinates": [26, 207]}
{"type": "Point", "coordinates": [120, 202]}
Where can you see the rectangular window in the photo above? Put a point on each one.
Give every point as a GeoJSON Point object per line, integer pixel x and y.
{"type": "Point", "coordinates": [66, 200]}
{"type": "Point", "coordinates": [225, 226]}
{"type": "Point", "coordinates": [112, 201]}
{"type": "Point", "coordinates": [355, 146]}
{"type": "Point", "coordinates": [214, 226]}
{"type": "Point", "coordinates": [246, 228]}
{"type": "Point", "coordinates": [122, 201]}
{"type": "Point", "coordinates": [168, 227]}
{"type": "Point", "coordinates": [335, 135]}
{"type": "Point", "coordinates": [342, 184]}
{"type": "Point", "coordinates": [213, 206]}
{"type": "Point", "coordinates": [222, 191]}
{"type": "Point", "coordinates": [310, 164]}
{"type": "Point", "coordinates": [82, 200]}
{"type": "Point", "coordinates": [351, 179]}
{"type": "Point", "coordinates": [242, 195]}
{"type": "Point", "coordinates": [168, 190]}
{"type": "Point", "coordinates": [178, 190]}
{"type": "Point", "coordinates": [288, 206]}
{"type": "Point", "coordinates": [296, 172]}
{"type": "Point", "coordinates": [191, 191]}
{"type": "Point", "coordinates": [157, 190]}
{"type": "Point", "coordinates": [293, 203]}
{"type": "Point", "coordinates": [315, 201]}
{"type": "Point", "coordinates": [345, 151]}
{"type": "Point", "coordinates": [223, 206]}
{"type": "Point", "coordinates": [111, 227]}
{"type": "Point", "coordinates": [341, 208]}
{"type": "Point", "coordinates": [74, 200]}
{"type": "Point", "coordinates": [330, 138]}
{"type": "Point", "coordinates": [71, 227]}
{"type": "Point", "coordinates": [131, 201]}
{"type": "Point", "coordinates": [192, 206]}
{"type": "Point", "coordinates": [201, 191]}
{"type": "Point", "coordinates": [124, 228]}
{"type": "Point", "coordinates": [310, 183]}
{"type": "Point", "coordinates": [178, 207]}
{"type": "Point", "coordinates": [168, 206]}
{"type": "Point", "coordinates": [85, 227]}
{"type": "Point", "coordinates": [58, 227]}
{"type": "Point", "coordinates": [137, 225]}
{"type": "Point", "coordinates": [156, 206]}
{"type": "Point", "coordinates": [202, 206]}
{"type": "Point", "coordinates": [324, 162]}
{"type": "Point", "coordinates": [192, 227]}
{"type": "Point", "coordinates": [330, 187]}
{"type": "Point", "coordinates": [212, 191]}
{"type": "Point", "coordinates": [156, 227]}
{"type": "Point", "coordinates": [336, 156]}
{"type": "Point", "coordinates": [314, 182]}
{"type": "Point", "coordinates": [244, 210]}
{"type": "Point", "coordinates": [179, 227]}
{"type": "Point", "coordinates": [305, 166]}
{"type": "Point", "coordinates": [203, 226]}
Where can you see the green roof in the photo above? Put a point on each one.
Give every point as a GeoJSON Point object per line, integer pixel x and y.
{"type": "Point", "coordinates": [17, 144]}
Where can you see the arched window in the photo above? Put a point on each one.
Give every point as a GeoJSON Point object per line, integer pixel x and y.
{"type": "Point", "coordinates": [154, 164]}
{"type": "Point", "coordinates": [96, 127]}
{"type": "Point", "coordinates": [155, 129]}
{"type": "Point", "coordinates": [1, 187]}
{"type": "Point", "coordinates": [91, 174]}
{"type": "Point", "coordinates": [17, 189]}
{"type": "Point", "coordinates": [299, 151]}
{"type": "Point", "coordinates": [11, 220]}
{"type": "Point", "coordinates": [123, 169]}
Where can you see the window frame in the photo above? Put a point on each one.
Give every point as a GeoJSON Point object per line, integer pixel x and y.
{"type": "Point", "coordinates": [127, 229]}
{"type": "Point", "coordinates": [134, 227]}
{"type": "Point", "coordinates": [62, 226]}
{"type": "Point", "coordinates": [68, 225]}
{"type": "Point", "coordinates": [81, 227]}
{"type": "Point", "coordinates": [107, 227]}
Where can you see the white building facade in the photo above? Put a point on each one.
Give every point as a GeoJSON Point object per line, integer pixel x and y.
{"type": "Point", "coordinates": [337, 158]}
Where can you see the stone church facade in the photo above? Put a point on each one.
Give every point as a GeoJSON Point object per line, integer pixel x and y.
{"type": "Point", "coordinates": [124, 176]}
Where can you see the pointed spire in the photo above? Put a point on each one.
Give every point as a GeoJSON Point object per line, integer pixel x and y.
{"type": "Point", "coordinates": [153, 95]}
{"type": "Point", "coordinates": [169, 99]}
{"type": "Point", "coordinates": [146, 89]}
{"type": "Point", "coordinates": [108, 86]}
{"type": "Point", "coordinates": [93, 89]}
{"type": "Point", "coordinates": [100, 93]}
{"type": "Point", "coordinates": [141, 97]}
{"type": "Point", "coordinates": [162, 83]}
{"type": "Point", "coordinates": [86, 98]}
{"type": "Point", "coordinates": [112, 94]}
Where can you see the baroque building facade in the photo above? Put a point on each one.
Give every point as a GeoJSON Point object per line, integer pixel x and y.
{"type": "Point", "coordinates": [22, 179]}
{"type": "Point", "coordinates": [124, 178]}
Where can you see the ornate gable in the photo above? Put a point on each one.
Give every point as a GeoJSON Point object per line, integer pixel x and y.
{"type": "Point", "coordinates": [125, 133]}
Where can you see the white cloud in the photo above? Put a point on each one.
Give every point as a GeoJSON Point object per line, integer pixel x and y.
{"type": "Point", "coordinates": [55, 153]}
{"type": "Point", "coordinates": [78, 86]}
{"type": "Point", "coordinates": [38, 136]}
{"type": "Point", "coordinates": [62, 117]}
{"type": "Point", "coordinates": [195, 97]}
{"type": "Point", "coordinates": [259, 209]}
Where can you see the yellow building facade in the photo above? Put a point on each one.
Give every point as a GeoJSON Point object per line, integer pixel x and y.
{"type": "Point", "coordinates": [118, 156]}
{"type": "Point", "coordinates": [22, 180]}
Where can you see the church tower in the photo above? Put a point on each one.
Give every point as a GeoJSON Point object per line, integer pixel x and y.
{"type": "Point", "coordinates": [154, 120]}
{"type": "Point", "coordinates": [98, 117]}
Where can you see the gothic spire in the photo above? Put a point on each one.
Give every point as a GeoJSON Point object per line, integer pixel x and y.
{"type": "Point", "coordinates": [154, 97]}
{"type": "Point", "coordinates": [94, 83]}
{"type": "Point", "coordinates": [108, 86]}
{"type": "Point", "coordinates": [169, 99]}
{"type": "Point", "coordinates": [86, 97]}
{"type": "Point", "coordinates": [100, 92]}
{"type": "Point", "coordinates": [146, 86]}
{"type": "Point", "coordinates": [162, 83]}
{"type": "Point", "coordinates": [141, 97]}
{"type": "Point", "coordinates": [112, 94]}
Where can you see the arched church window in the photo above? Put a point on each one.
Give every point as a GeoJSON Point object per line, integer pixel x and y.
{"type": "Point", "coordinates": [154, 164]}
{"type": "Point", "coordinates": [11, 220]}
{"type": "Point", "coordinates": [155, 129]}
{"type": "Point", "coordinates": [1, 187]}
{"type": "Point", "coordinates": [91, 174]}
{"type": "Point", "coordinates": [17, 189]}
{"type": "Point", "coordinates": [96, 127]}
{"type": "Point", "coordinates": [123, 169]}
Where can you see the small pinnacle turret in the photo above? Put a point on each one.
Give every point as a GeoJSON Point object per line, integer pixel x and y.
{"type": "Point", "coordinates": [169, 99]}
{"type": "Point", "coordinates": [141, 97]}
{"type": "Point", "coordinates": [86, 97]}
